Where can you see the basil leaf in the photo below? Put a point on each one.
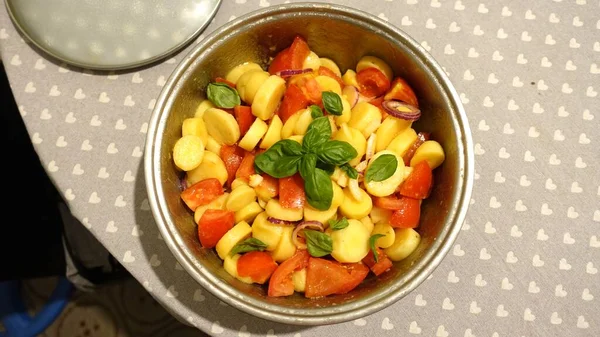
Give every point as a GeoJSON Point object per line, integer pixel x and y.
{"type": "Point", "coordinates": [315, 111]}
{"type": "Point", "coordinates": [336, 225]}
{"type": "Point", "coordinates": [318, 244]}
{"type": "Point", "coordinates": [328, 168]}
{"type": "Point", "coordinates": [318, 189]}
{"type": "Point", "coordinates": [372, 240]}
{"type": "Point", "coordinates": [280, 160]}
{"type": "Point", "coordinates": [350, 171]}
{"type": "Point", "coordinates": [336, 152]}
{"type": "Point", "coordinates": [332, 103]}
{"type": "Point", "coordinates": [308, 165]}
{"type": "Point", "coordinates": [286, 166]}
{"type": "Point", "coordinates": [248, 245]}
{"type": "Point", "coordinates": [382, 168]}
{"type": "Point", "coordinates": [318, 132]}
{"type": "Point", "coordinates": [222, 95]}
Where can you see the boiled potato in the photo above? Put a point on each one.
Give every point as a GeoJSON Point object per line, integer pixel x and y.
{"type": "Point", "coordinates": [403, 141]}
{"type": "Point", "coordinates": [354, 209]}
{"type": "Point", "coordinates": [299, 279]}
{"type": "Point", "coordinates": [195, 126]}
{"type": "Point", "coordinates": [234, 74]}
{"type": "Point", "coordinates": [407, 171]}
{"type": "Point", "coordinates": [349, 78]}
{"type": "Point", "coordinates": [273, 134]}
{"type": "Point", "coordinates": [327, 83]}
{"type": "Point", "coordinates": [351, 244]}
{"type": "Point", "coordinates": [257, 130]}
{"type": "Point", "coordinates": [311, 214]}
{"type": "Point", "coordinates": [303, 122]}
{"type": "Point", "coordinates": [296, 138]}
{"type": "Point", "coordinates": [263, 230]}
{"type": "Point", "coordinates": [235, 235]}
{"type": "Point", "coordinates": [218, 203]}
{"type": "Point", "coordinates": [354, 138]}
{"type": "Point", "coordinates": [380, 215]}
{"type": "Point", "coordinates": [212, 166]}
{"type": "Point", "coordinates": [346, 113]}
{"type": "Point", "coordinates": [329, 64]}
{"type": "Point", "coordinates": [237, 182]}
{"type": "Point", "coordinates": [221, 126]}
{"type": "Point", "coordinates": [230, 266]}
{"type": "Point", "coordinates": [240, 197]}
{"type": "Point", "coordinates": [248, 212]}
{"type": "Point", "coordinates": [431, 151]}
{"type": "Point", "coordinates": [365, 117]}
{"type": "Point", "coordinates": [188, 152]}
{"type": "Point", "coordinates": [312, 61]}
{"type": "Point", "coordinates": [202, 107]}
{"type": "Point", "coordinates": [275, 210]}
{"type": "Point", "coordinates": [388, 130]}
{"type": "Point", "coordinates": [338, 195]}
{"type": "Point", "coordinates": [212, 145]}
{"type": "Point", "coordinates": [368, 223]}
{"type": "Point", "coordinates": [387, 186]}
{"type": "Point", "coordinates": [387, 230]}
{"type": "Point", "coordinates": [406, 241]}
{"type": "Point", "coordinates": [377, 63]}
{"type": "Point", "coordinates": [286, 247]}
{"type": "Point", "coordinates": [267, 97]}
{"type": "Point", "coordinates": [332, 124]}
{"type": "Point", "coordinates": [288, 128]}
{"type": "Point", "coordinates": [249, 84]}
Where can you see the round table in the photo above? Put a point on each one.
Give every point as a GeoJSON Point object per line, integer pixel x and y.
{"type": "Point", "coordinates": [527, 261]}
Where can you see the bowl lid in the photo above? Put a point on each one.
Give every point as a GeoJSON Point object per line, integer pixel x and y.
{"type": "Point", "coordinates": [111, 34]}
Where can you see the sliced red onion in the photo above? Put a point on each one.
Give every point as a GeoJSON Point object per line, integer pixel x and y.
{"type": "Point", "coordinates": [298, 238]}
{"type": "Point", "coordinates": [351, 94]}
{"type": "Point", "coordinates": [276, 221]}
{"type": "Point", "coordinates": [183, 184]}
{"type": "Point", "coordinates": [401, 110]}
{"type": "Point", "coordinates": [292, 72]}
{"type": "Point", "coordinates": [421, 138]}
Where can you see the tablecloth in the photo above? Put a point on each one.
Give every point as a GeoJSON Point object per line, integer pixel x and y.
{"type": "Point", "coordinates": [526, 262]}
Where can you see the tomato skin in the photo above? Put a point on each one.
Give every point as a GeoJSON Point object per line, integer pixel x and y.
{"type": "Point", "coordinates": [401, 91]}
{"type": "Point", "coordinates": [257, 265]}
{"type": "Point", "coordinates": [372, 82]}
{"type": "Point", "coordinates": [232, 156]}
{"type": "Point", "coordinates": [390, 202]}
{"type": "Point", "coordinates": [244, 117]}
{"type": "Point", "coordinates": [291, 192]}
{"type": "Point", "coordinates": [213, 224]}
{"type": "Point", "coordinates": [222, 80]}
{"type": "Point", "coordinates": [325, 277]}
{"type": "Point", "coordinates": [291, 58]}
{"type": "Point", "coordinates": [382, 265]}
{"type": "Point", "coordinates": [418, 184]}
{"type": "Point", "coordinates": [246, 168]}
{"type": "Point", "coordinates": [408, 215]}
{"type": "Point", "coordinates": [294, 100]}
{"type": "Point", "coordinates": [324, 71]}
{"type": "Point", "coordinates": [268, 188]}
{"type": "Point", "coordinates": [281, 283]}
{"type": "Point", "coordinates": [202, 193]}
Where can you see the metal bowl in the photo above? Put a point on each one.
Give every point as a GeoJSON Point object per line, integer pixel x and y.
{"type": "Point", "coordinates": [344, 35]}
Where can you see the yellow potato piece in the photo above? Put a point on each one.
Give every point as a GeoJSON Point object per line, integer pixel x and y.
{"type": "Point", "coordinates": [387, 230]}
{"type": "Point", "coordinates": [338, 195]}
{"type": "Point", "coordinates": [332, 124]}
{"type": "Point", "coordinates": [431, 151]}
{"type": "Point", "coordinates": [387, 186]}
{"type": "Point", "coordinates": [211, 167]}
{"type": "Point", "coordinates": [350, 244]}
{"type": "Point", "coordinates": [273, 134]}
{"type": "Point", "coordinates": [311, 214]}
{"type": "Point", "coordinates": [346, 113]}
{"type": "Point", "coordinates": [237, 182]}
{"type": "Point", "coordinates": [329, 64]}
{"type": "Point", "coordinates": [240, 197]}
{"type": "Point", "coordinates": [327, 83]}
{"type": "Point", "coordinates": [188, 152]}
{"type": "Point", "coordinates": [375, 62]}
{"type": "Point", "coordinates": [267, 97]}
{"type": "Point", "coordinates": [221, 126]}
{"type": "Point", "coordinates": [354, 138]}
{"type": "Point", "coordinates": [353, 209]}
{"type": "Point", "coordinates": [299, 279]}
{"type": "Point", "coordinates": [257, 130]}
{"type": "Point", "coordinates": [249, 84]}
{"type": "Point", "coordinates": [235, 235]}
{"type": "Point", "coordinates": [202, 107]}
{"type": "Point", "coordinates": [380, 215]}
{"type": "Point", "coordinates": [349, 78]}
{"type": "Point", "coordinates": [368, 223]}
{"type": "Point", "coordinates": [275, 210]}
{"type": "Point", "coordinates": [248, 212]}
{"type": "Point", "coordinates": [405, 243]}
{"type": "Point", "coordinates": [366, 118]}
{"type": "Point", "coordinates": [388, 130]}
{"type": "Point", "coordinates": [407, 171]}
{"type": "Point", "coordinates": [288, 128]}
{"type": "Point", "coordinates": [402, 142]}
{"type": "Point", "coordinates": [263, 230]}
{"type": "Point", "coordinates": [303, 122]}
{"type": "Point", "coordinates": [312, 61]}
{"type": "Point", "coordinates": [212, 145]}
{"type": "Point", "coordinates": [230, 266]}
{"type": "Point", "coordinates": [285, 248]}
{"type": "Point", "coordinates": [296, 138]}
{"type": "Point", "coordinates": [195, 126]}
{"type": "Point", "coordinates": [218, 203]}
{"type": "Point", "coordinates": [234, 74]}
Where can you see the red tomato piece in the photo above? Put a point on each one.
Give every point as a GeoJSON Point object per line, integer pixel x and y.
{"type": "Point", "coordinates": [401, 91]}
{"type": "Point", "coordinates": [372, 82]}
{"type": "Point", "coordinates": [281, 283]}
{"type": "Point", "coordinates": [291, 58]}
{"type": "Point", "coordinates": [291, 192]}
{"type": "Point", "coordinates": [232, 156]}
{"type": "Point", "coordinates": [246, 168]}
{"type": "Point", "coordinates": [293, 100]}
{"type": "Point", "coordinates": [382, 265]}
{"type": "Point", "coordinates": [244, 117]}
{"type": "Point", "coordinates": [202, 193]}
{"type": "Point", "coordinates": [325, 277]}
{"type": "Point", "coordinates": [418, 184]}
{"type": "Point", "coordinates": [390, 202]}
{"type": "Point", "coordinates": [222, 80]}
{"type": "Point", "coordinates": [312, 90]}
{"type": "Point", "coordinates": [407, 216]}
{"type": "Point", "coordinates": [213, 224]}
{"type": "Point", "coordinates": [268, 188]}
{"type": "Point", "coordinates": [421, 138]}
{"type": "Point", "coordinates": [257, 265]}
{"type": "Point", "coordinates": [324, 71]}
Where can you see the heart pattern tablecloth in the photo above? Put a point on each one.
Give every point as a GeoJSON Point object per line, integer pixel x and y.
{"type": "Point", "coordinates": [526, 262]}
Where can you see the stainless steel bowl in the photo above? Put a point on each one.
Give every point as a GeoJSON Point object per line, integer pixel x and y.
{"type": "Point", "coordinates": [344, 35]}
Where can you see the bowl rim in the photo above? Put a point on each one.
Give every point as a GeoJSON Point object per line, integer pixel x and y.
{"type": "Point", "coordinates": [325, 315]}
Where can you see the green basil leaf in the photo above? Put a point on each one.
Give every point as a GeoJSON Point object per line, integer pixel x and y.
{"type": "Point", "coordinates": [382, 168]}
{"type": "Point", "coordinates": [336, 225]}
{"type": "Point", "coordinates": [315, 111]}
{"type": "Point", "coordinates": [350, 171]}
{"type": "Point", "coordinates": [372, 240]}
{"type": "Point", "coordinates": [308, 165]}
{"type": "Point", "coordinates": [280, 160]}
{"type": "Point", "coordinates": [286, 166]}
{"type": "Point", "coordinates": [318, 132]}
{"type": "Point", "coordinates": [318, 189]}
{"type": "Point", "coordinates": [336, 152]}
{"type": "Point", "coordinates": [326, 167]}
{"type": "Point", "coordinates": [222, 95]}
{"type": "Point", "coordinates": [318, 244]}
{"type": "Point", "coordinates": [332, 103]}
{"type": "Point", "coordinates": [248, 245]}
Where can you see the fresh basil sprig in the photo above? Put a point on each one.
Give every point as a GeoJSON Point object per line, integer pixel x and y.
{"type": "Point", "coordinates": [318, 244]}
{"type": "Point", "coordinates": [372, 240]}
{"type": "Point", "coordinates": [222, 95]}
{"type": "Point", "coordinates": [280, 160]}
{"type": "Point", "coordinates": [336, 152]}
{"type": "Point", "coordinates": [248, 245]}
{"type": "Point", "coordinates": [350, 171]}
{"type": "Point", "coordinates": [382, 168]}
{"type": "Point", "coordinates": [319, 189]}
{"type": "Point", "coordinates": [332, 103]}
{"type": "Point", "coordinates": [339, 224]}
{"type": "Point", "coordinates": [315, 111]}
{"type": "Point", "coordinates": [318, 132]}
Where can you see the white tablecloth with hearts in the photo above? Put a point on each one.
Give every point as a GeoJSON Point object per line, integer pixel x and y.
{"type": "Point", "coordinates": [527, 260]}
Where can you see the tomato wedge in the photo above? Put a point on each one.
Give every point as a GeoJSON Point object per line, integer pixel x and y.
{"type": "Point", "coordinates": [390, 202]}
{"type": "Point", "coordinates": [418, 184]}
{"type": "Point", "coordinates": [382, 265]}
{"type": "Point", "coordinates": [202, 193]}
{"type": "Point", "coordinates": [293, 100]}
{"type": "Point", "coordinates": [257, 265]}
{"type": "Point", "coordinates": [291, 58]}
{"type": "Point", "coordinates": [324, 71]}
{"type": "Point", "coordinates": [213, 224]}
{"type": "Point", "coordinates": [268, 188]}
{"type": "Point", "coordinates": [246, 168]}
{"type": "Point", "coordinates": [222, 80]}
{"type": "Point", "coordinates": [232, 156]}
{"type": "Point", "coordinates": [372, 82]}
{"type": "Point", "coordinates": [281, 283]}
{"type": "Point", "coordinates": [408, 215]}
{"type": "Point", "coordinates": [244, 117]}
{"type": "Point", "coordinates": [291, 192]}
{"type": "Point", "coordinates": [401, 91]}
{"type": "Point", "coordinates": [325, 277]}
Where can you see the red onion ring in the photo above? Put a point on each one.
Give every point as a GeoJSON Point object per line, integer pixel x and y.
{"type": "Point", "coordinates": [276, 221]}
{"type": "Point", "coordinates": [351, 94]}
{"type": "Point", "coordinates": [401, 110]}
{"type": "Point", "coordinates": [292, 72]}
{"type": "Point", "coordinates": [297, 239]}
